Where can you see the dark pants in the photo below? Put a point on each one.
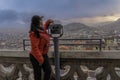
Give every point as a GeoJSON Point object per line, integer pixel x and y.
{"type": "Point", "coordinates": [37, 68]}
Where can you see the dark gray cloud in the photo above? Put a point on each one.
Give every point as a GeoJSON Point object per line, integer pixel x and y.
{"type": "Point", "coordinates": [21, 11]}
{"type": "Point", "coordinates": [63, 8]}
{"type": "Point", "coordinates": [11, 18]}
{"type": "Point", "coordinates": [14, 16]}
{"type": "Point", "coordinates": [8, 16]}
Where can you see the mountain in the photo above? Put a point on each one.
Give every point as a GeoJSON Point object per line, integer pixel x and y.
{"type": "Point", "coordinates": [102, 23]}
{"type": "Point", "coordinates": [70, 30]}
{"type": "Point", "coordinates": [75, 27]}
{"type": "Point", "coordinates": [113, 26]}
{"type": "Point", "coordinates": [76, 30]}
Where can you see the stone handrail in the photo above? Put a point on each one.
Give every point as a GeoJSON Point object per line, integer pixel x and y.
{"type": "Point", "coordinates": [75, 65]}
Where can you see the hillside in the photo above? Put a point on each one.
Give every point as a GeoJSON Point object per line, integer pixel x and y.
{"type": "Point", "coordinates": [76, 30]}
{"type": "Point", "coordinates": [113, 26]}
{"type": "Point", "coordinates": [75, 27]}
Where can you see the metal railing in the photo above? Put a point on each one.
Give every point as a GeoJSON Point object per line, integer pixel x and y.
{"type": "Point", "coordinates": [71, 42]}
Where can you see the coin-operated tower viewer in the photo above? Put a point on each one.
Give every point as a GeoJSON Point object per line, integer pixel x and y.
{"type": "Point", "coordinates": [56, 31]}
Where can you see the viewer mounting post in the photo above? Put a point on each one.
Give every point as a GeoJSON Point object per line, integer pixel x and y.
{"type": "Point", "coordinates": [56, 31]}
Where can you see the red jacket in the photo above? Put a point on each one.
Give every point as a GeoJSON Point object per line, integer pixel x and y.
{"type": "Point", "coordinates": [39, 46]}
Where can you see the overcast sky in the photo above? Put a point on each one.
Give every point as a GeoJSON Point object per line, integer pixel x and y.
{"type": "Point", "coordinates": [66, 10]}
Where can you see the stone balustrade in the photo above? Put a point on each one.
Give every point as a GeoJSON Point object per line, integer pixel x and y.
{"type": "Point", "coordinates": [75, 65]}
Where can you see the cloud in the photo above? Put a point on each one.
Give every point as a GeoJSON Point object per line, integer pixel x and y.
{"type": "Point", "coordinates": [68, 10]}
{"type": "Point", "coordinates": [63, 8]}
{"type": "Point", "coordinates": [8, 16]}
{"type": "Point", "coordinates": [13, 18]}
{"type": "Point", "coordinates": [94, 19]}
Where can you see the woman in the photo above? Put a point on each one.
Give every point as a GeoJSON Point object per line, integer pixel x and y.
{"type": "Point", "coordinates": [40, 41]}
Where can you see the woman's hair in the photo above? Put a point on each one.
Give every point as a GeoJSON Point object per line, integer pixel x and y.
{"type": "Point", "coordinates": [35, 24]}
